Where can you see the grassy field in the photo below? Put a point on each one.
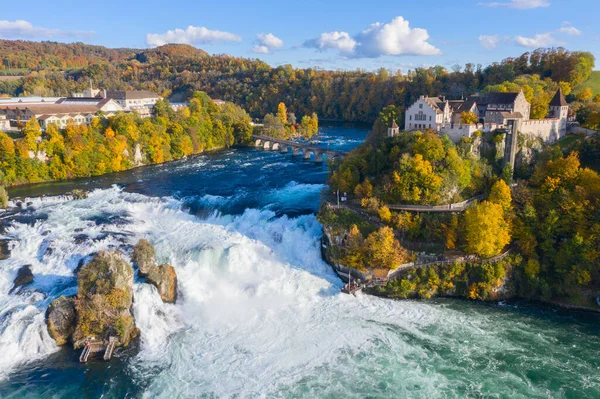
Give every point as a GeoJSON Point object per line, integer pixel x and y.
{"type": "Point", "coordinates": [593, 83]}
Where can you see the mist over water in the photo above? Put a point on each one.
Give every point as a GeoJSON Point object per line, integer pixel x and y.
{"type": "Point", "coordinates": [259, 313]}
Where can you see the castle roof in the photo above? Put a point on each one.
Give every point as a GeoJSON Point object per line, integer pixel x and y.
{"type": "Point", "coordinates": [496, 98]}
{"type": "Point", "coordinates": [394, 125]}
{"type": "Point", "coordinates": [559, 100]}
{"type": "Point", "coordinates": [436, 103]}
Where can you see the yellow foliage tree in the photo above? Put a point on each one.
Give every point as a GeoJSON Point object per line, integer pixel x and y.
{"type": "Point", "coordinates": [364, 190]}
{"type": "Point", "coordinates": [354, 249]}
{"type": "Point", "coordinates": [486, 230]}
{"type": "Point", "coordinates": [384, 214]}
{"type": "Point", "coordinates": [282, 113]}
{"type": "Point", "coordinates": [585, 95]}
{"type": "Point", "coordinates": [500, 194]}
{"type": "Point", "coordinates": [383, 250]}
{"type": "Point", "coordinates": [468, 118]}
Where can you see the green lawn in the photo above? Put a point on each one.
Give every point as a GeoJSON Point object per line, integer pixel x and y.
{"type": "Point", "coordinates": [593, 83]}
{"type": "Point", "coordinates": [569, 140]}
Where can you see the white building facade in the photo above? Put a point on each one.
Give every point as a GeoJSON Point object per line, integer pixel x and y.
{"type": "Point", "coordinates": [493, 111]}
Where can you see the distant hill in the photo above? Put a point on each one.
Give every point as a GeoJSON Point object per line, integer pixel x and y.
{"type": "Point", "coordinates": [177, 71]}
{"type": "Point", "coordinates": [170, 51]}
{"type": "Point", "coordinates": [19, 54]}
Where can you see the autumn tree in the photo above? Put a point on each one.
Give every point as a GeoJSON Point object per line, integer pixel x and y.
{"type": "Point", "coordinates": [468, 118]}
{"type": "Point", "coordinates": [354, 251]}
{"type": "Point", "coordinates": [384, 250]}
{"type": "Point", "coordinates": [585, 94]}
{"type": "Point", "coordinates": [282, 113]}
{"type": "Point", "coordinates": [486, 230]}
{"type": "Point", "coordinates": [500, 194]}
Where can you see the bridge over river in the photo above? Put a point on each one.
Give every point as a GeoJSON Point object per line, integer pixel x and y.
{"type": "Point", "coordinates": [284, 146]}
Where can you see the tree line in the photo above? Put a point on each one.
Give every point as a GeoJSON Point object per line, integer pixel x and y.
{"type": "Point", "coordinates": [122, 141]}
{"type": "Point", "coordinates": [177, 71]}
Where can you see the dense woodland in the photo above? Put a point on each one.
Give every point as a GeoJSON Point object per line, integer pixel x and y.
{"type": "Point", "coordinates": [177, 71]}
{"type": "Point", "coordinates": [110, 144]}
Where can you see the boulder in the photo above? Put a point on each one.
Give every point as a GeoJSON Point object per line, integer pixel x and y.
{"type": "Point", "coordinates": [60, 319]}
{"type": "Point", "coordinates": [104, 301]}
{"type": "Point", "coordinates": [78, 194]}
{"type": "Point", "coordinates": [144, 257]}
{"type": "Point", "coordinates": [164, 278]}
{"type": "Point", "coordinates": [4, 249]}
{"type": "Point", "coordinates": [24, 277]}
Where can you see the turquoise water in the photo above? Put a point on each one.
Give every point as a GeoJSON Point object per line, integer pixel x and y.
{"type": "Point", "coordinates": [259, 313]}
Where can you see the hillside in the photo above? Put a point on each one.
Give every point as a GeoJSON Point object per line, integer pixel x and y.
{"type": "Point", "coordinates": [55, 69]}
{"type": "Point", "coordinates": [593, 83]}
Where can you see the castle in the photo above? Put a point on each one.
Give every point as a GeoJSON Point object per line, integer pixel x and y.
{"type": "Point", "coordinates": [509, 111]}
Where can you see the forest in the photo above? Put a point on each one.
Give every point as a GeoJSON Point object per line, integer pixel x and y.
{"type": "Point", "coordinates": [177, 71]}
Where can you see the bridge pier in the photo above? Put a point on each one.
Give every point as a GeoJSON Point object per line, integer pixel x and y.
{"type": "Point", "coordinates": [306, 155]}
{"type": "Point", "coordinates": [295, 151]}
{"type": "Point", "coordinates": [318, 157]}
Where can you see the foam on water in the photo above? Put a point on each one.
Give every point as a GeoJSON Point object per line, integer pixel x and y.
{"type": "Point", "coordinates": [259, 313]}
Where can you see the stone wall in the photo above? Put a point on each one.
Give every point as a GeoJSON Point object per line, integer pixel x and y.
{"type": "Point", "coordinates": [549, 130]}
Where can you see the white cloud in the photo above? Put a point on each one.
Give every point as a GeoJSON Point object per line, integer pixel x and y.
{"type": "Point", "coordinates": [546, 39]}
{"type": "Point", "coordinates": [333, 40]}
{"type": "Point", "coordinates": [20, 29]}
{"type": "Point", "coordinates": [261, 49]}
{"type": "Point", "coordinates": [191, 35]}
{"type": "Point", "coordinates": [539, 40]}
{"type": "Point", "coordinates": [489, 41]}
{"type": "Point", "coordinates": [570, 30]}
{"type": "Point", "coordinates": [520, 4]}
{"type": "Point", "coordinates": [266, 43]}
{"type": "Point", "coordinates": [393, 38]}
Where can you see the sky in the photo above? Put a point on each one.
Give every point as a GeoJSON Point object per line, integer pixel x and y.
{"type": "Point", "coordinates": [351, 34]}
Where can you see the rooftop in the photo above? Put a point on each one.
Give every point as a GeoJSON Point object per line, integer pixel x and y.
{"type": "Point", "coordinates": [131, 94]}
{"type": "Point", "coordinates": [558, 100]}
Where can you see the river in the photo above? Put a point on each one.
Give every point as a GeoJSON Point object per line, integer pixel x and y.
{"type": "Point", "coordinates": [259, 313]}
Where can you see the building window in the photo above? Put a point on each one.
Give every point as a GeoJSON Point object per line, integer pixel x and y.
{"type": "Point", "coordinates": [421, 106]}
{"type": "Point", "coordinates": [410, 118]}
{"type": "Point", "coordinates": [430, 118]}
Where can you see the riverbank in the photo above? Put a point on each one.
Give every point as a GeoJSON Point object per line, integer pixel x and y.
{"type": "Point", "coordinates": [491, 281]}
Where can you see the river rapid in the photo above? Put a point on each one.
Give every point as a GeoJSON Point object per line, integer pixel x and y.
{"type": "Point", "coordinates": [259, 313]}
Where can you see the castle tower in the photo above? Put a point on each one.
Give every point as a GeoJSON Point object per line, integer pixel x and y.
{"type": "Point", "coordinates": [394, 130]}
{"type": "Point", "coordinates": [559, 108]}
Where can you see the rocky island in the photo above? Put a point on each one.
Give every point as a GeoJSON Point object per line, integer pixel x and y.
{"type": "Point", "coordinates": [101, 312]}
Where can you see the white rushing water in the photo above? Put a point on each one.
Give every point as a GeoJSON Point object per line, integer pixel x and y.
{"type": "Point", "coordinates": [259, 312]}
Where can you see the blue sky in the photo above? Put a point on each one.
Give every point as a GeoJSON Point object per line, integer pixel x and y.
{"type": "Point", "coordinates": [347, 34]}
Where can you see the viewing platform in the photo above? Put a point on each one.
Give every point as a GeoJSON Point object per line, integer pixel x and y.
{"type": "Point", "coordinates": [93, 347]}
